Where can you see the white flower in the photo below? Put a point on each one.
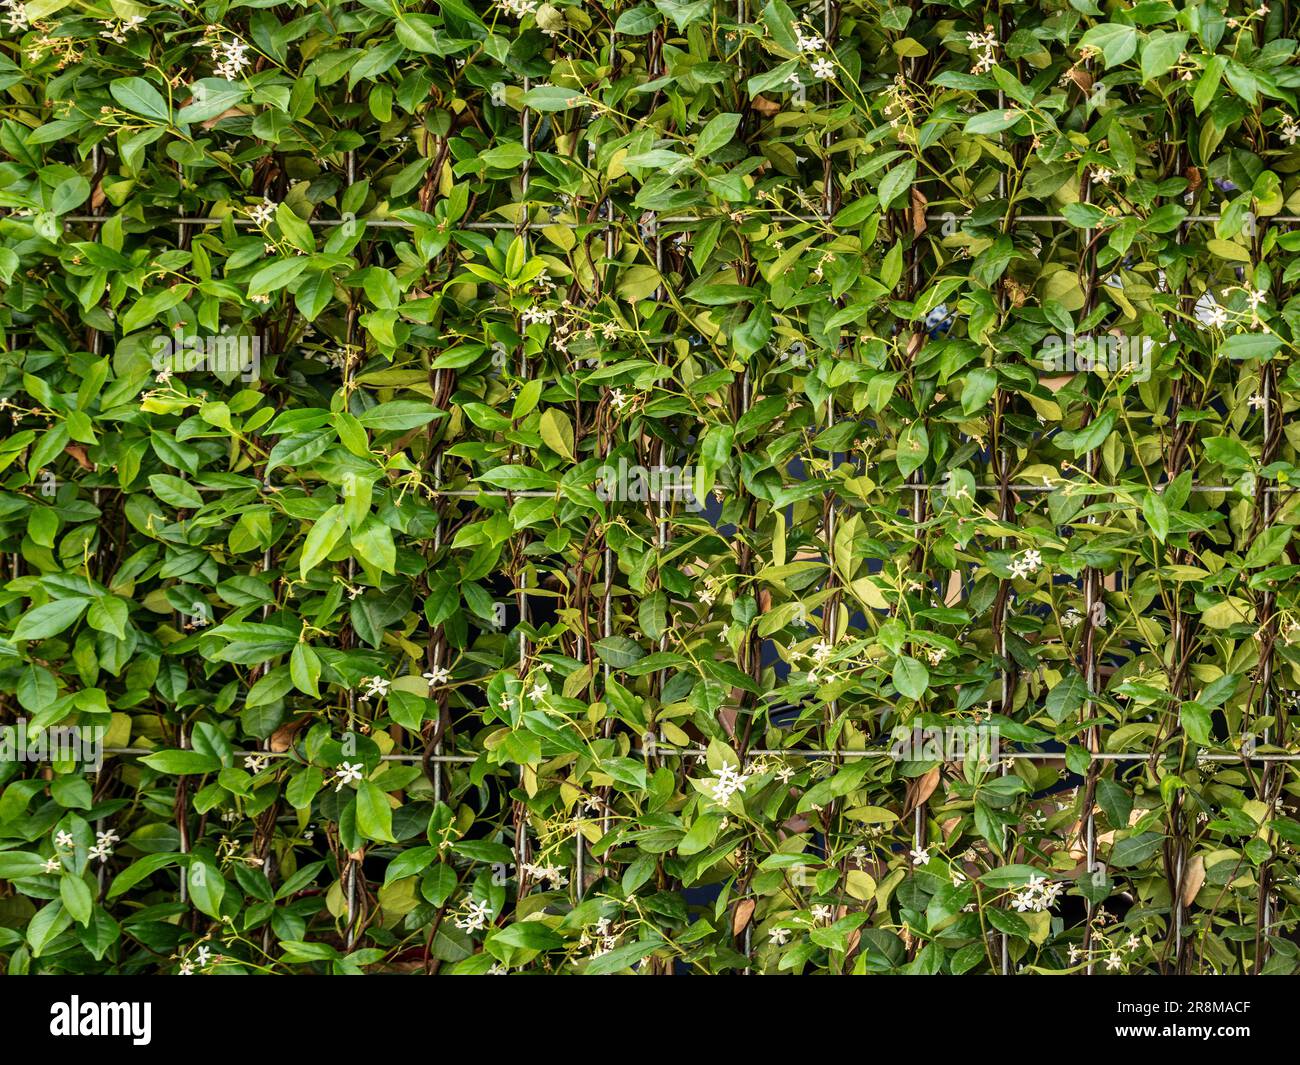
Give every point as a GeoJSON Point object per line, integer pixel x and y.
{"type": "Point", "coordinates": [823, 913]}
{"type": "Point", "coordinates": [1255, 297]}
{"type": "Point", "coordinates": [437, 675]}
{"type": "Point", "coordinates": [778, 937]}
{"type": "Point", "coordinates": [375, 686]}
{"type": "Point", "coordinates": [1257, 402]}
{"type": "Point", "coordinates": [101, 850]}
{"type": "Point", "coordinates": [187, 968]}
{"type": "Point", "coordinates": [52, 865]}
{"type": "Point", "coordinates": [1216, 316]}
{"type": "Point", "coordinates": [1114, 961]}
{"type": "Point", "coordinates": [617, 398]}
{"type": "Point", "coordinates": [822, 652]}
{"type": "Point", "coordinates": [1071, 619]}
{"type": "Point", "coordinates": [1027, 565]}
{"type": "Point", "coordinates": [1103, 175]}
{"type": "Point", "coordinates": [793, 79]}
{"type": "Point", "coordinates": [475, 917]}
{"type": "Point", "coordinates": [936, 655]}
{"type": "Point", "coordinates": [1290, 131]}
{"type": "Point", "coordinates": [63, 839]}
{"type": "Point", "coordinates": [956, 876]}
{"type": "Point", "coordinates": [785, 774]}
{"type": "Point", "coordinates": [202, 956]}
{"type": "Point", "coordinates": [108, 836]}
{"type": "Point", "coordinates": [538, 692]}
{"type": "Point", "coordinates": [16, 16]}
{"type": "Point", "coordinates": [811, 44]}
{"type": "Point", "coordinates": [254, 763]}
{"type": "Point", "coordinates": [348, 773]}
{"type": "Point", "coordinates": [163, 376]}
{"type": "Point", "coordinates": [920, 855]}
{"type": "Point", "coordinates": [823, 68]}
{"type": "Point", "coordinates": [263, 212]}
{"type": "Point", "coordinates": [1133, 943]}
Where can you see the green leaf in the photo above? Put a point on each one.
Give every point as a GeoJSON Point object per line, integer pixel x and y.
{"type": "Point", "coordinates": [140, 97]}
{"type": "Point", "coordinates": [910, 677]}
{"type": "Point", "coordinates": [321, 539]}
{"type": "Point", "coordinates": [374, 814]}
{"type": "Point", "coordinates": [718, 133]}
{"type": "Point", "coordinates": [42, 622]}
{"type": "Point", "coordinates": [1116, 42]}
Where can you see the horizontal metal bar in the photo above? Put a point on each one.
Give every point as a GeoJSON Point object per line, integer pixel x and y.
{"type": "Point", "coordinates": [1029, 489]}
{"type": "Point", "coordinates": [771, 752]}
{"type": "Point", "coordinates": [395, 223]}
{"type": "Point", "coordinates": [381, 223]}
{"type": "Point", "coordinates": [952, 216]}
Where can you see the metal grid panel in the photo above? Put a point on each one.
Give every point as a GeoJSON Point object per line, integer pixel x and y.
{"type": "Point", "coordinates": [917, 490]}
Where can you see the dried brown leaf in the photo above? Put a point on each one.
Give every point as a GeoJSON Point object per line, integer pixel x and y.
{"type": "Point", "coordinates": [919, 204]}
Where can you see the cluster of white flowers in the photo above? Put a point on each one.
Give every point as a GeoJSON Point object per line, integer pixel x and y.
{"type": "Point", "coordinates": [1038, 895]}
{"type": "Point", "coordinates": [348, 773]}
{"type": "Point", "coordinates": [538, 315]}
{"type": "Point", "coordinates": [710, 591]}
{"type": "Point", "coordinates": [984, 50]}
{"type": "Point", "coordinates": [475, 917]}
{"type": "Point", "coordinates": [898, 101]}
{"type": "Point", "coordinates": [550, 873]}
{"type": "Point", "coordinates": [729, 781]}
{"type": "Point", "coordinates": [1027, 564]}
{"type": "Point", "coordinates": [15, 15]}
{"type": "Point", "coordinates": [231, 59]}
{"type": "Point", "coordinates": [822, 65]}
{"type": "Point", "coordinates": [936, 655]}
{"type": "Point", "coordinates": [116, 31]}
{"type": "Point", "coordinates": [1071, 619]}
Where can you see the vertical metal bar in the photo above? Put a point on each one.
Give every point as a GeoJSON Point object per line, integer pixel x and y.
{"type": "Point", "coordinates": [521, 599]}
{"type": "Point", "coordinates": [1090, 600]}
{"type": "Point", "coordinates": [350, 870]}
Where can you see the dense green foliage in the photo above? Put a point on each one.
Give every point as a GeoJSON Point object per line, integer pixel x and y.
{"type": "Point", "coordinates": [392, 676]}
